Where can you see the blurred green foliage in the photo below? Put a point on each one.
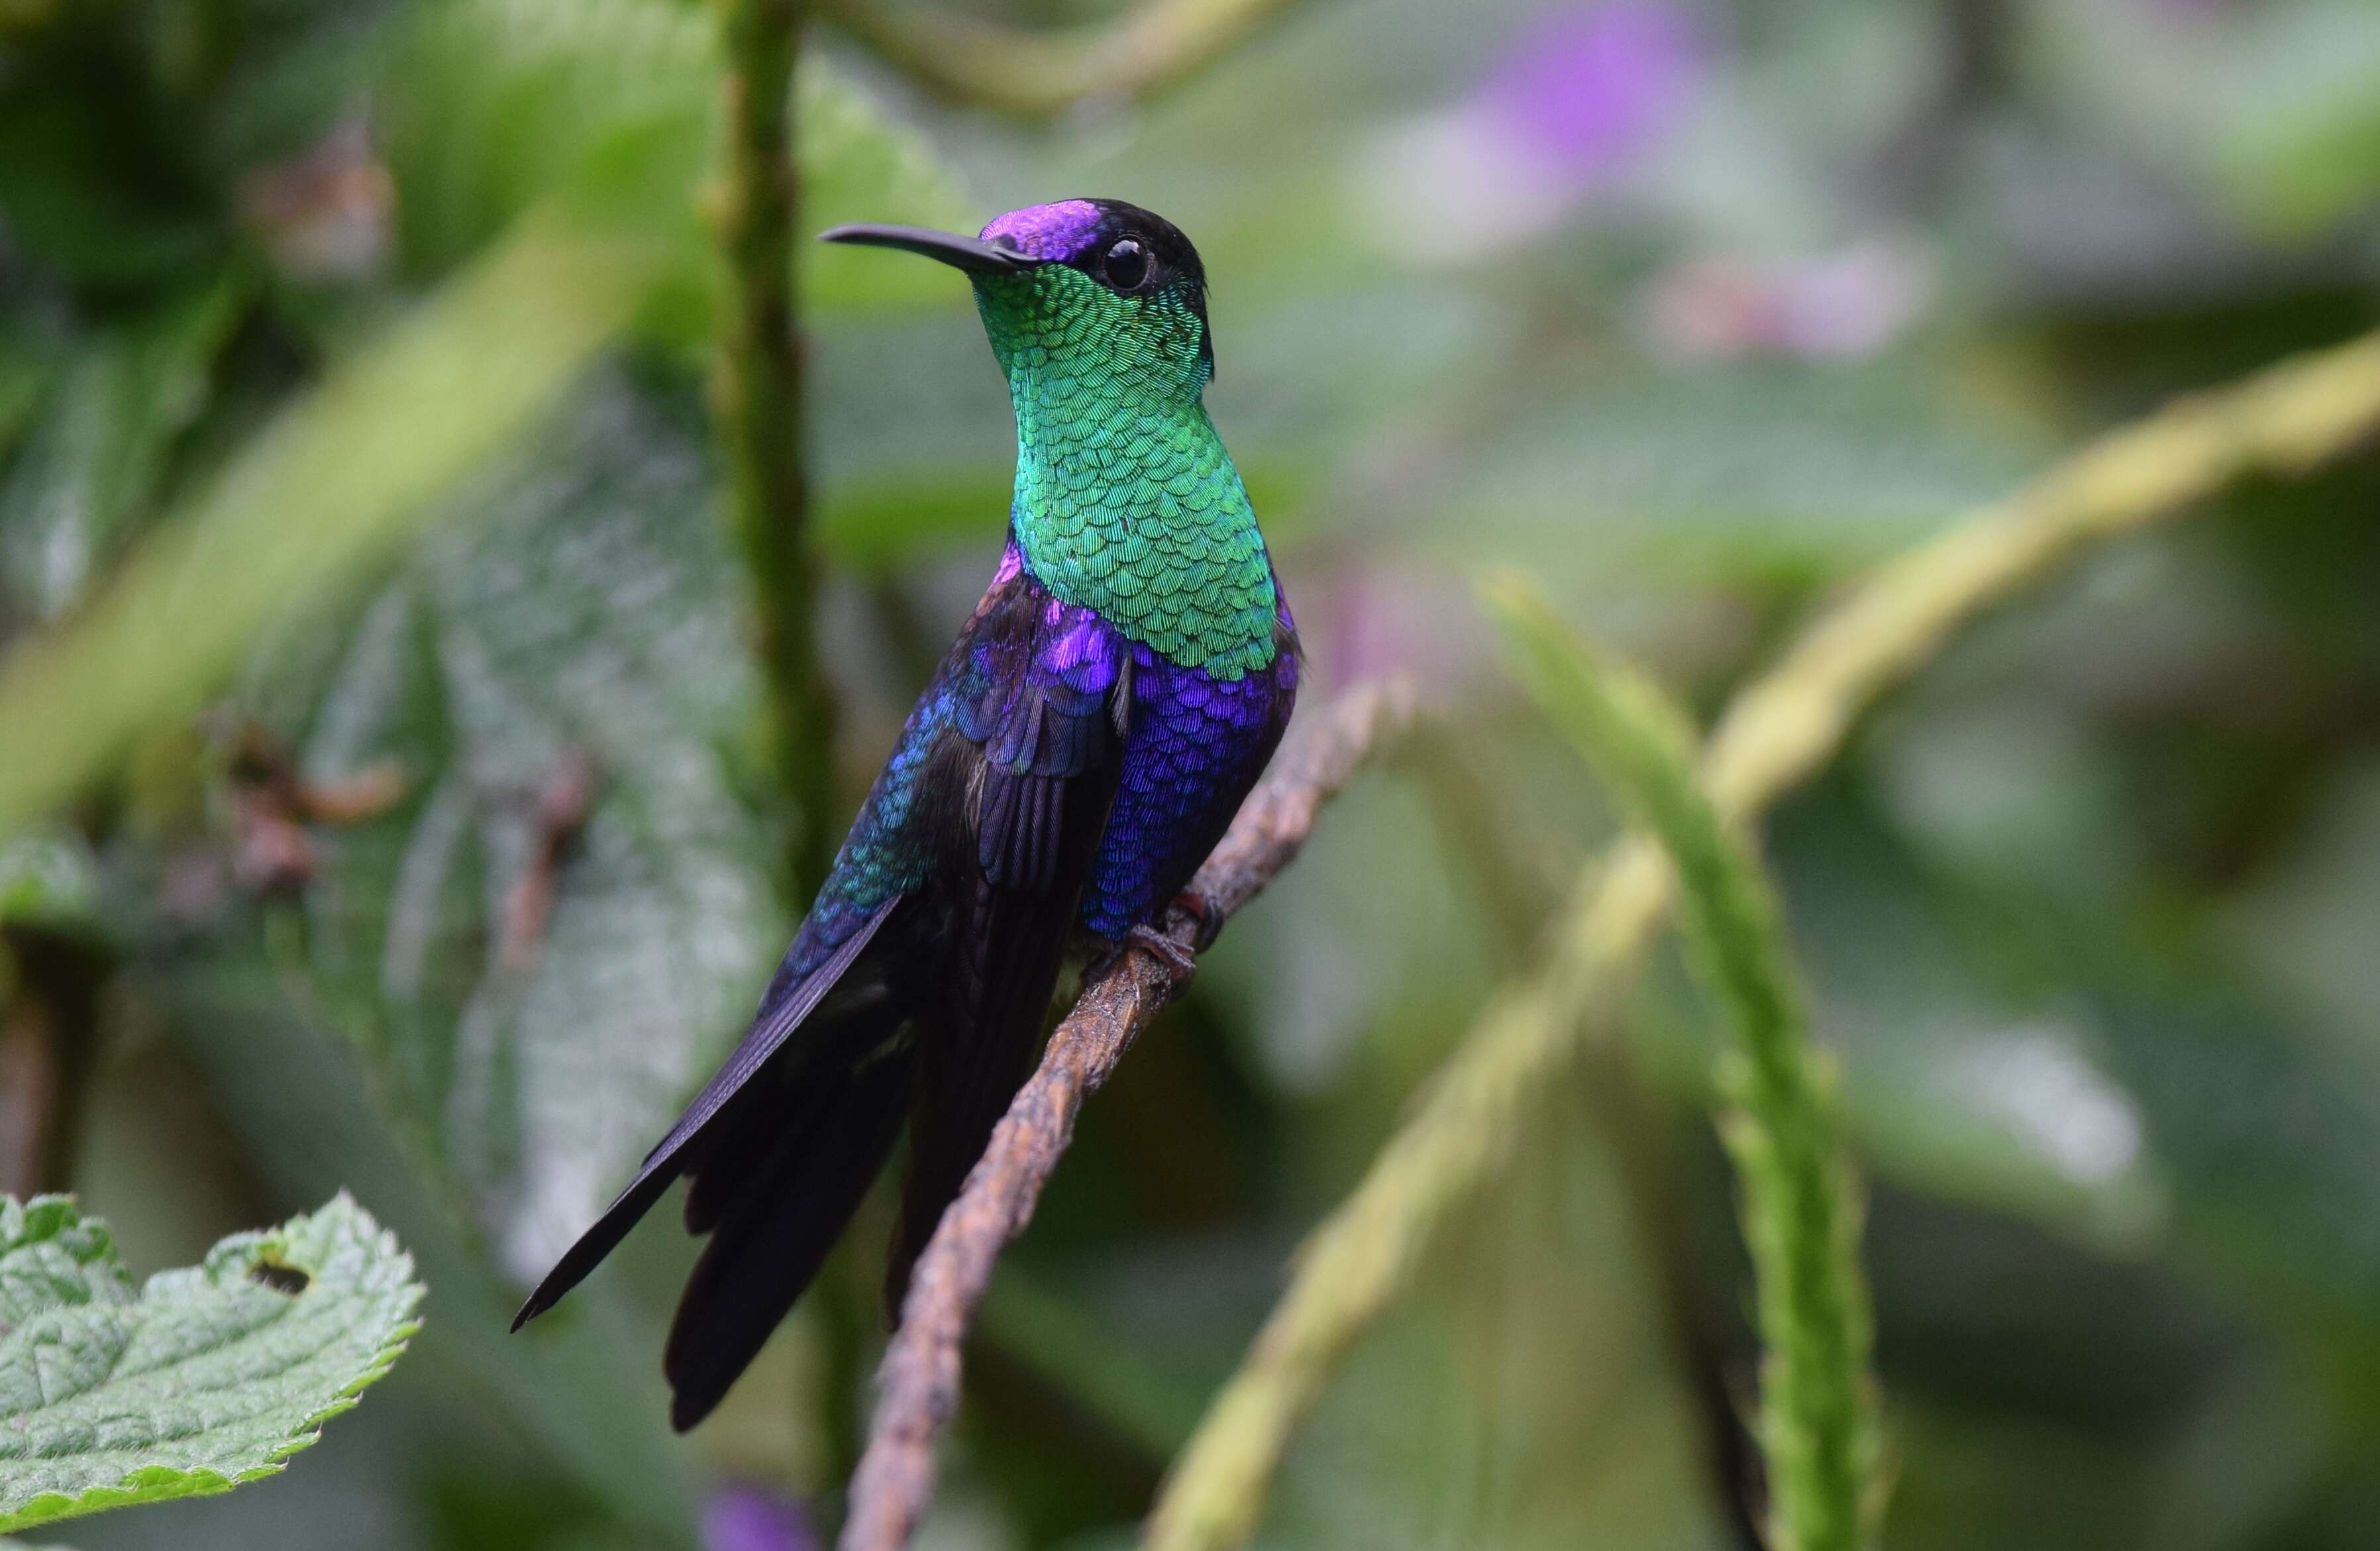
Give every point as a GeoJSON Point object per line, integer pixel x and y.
{"type": "Point", "coordinates": [350, 433]}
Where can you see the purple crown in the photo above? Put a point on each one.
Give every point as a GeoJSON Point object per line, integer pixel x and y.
{"type": "Point", "coordinates": [1048, 231]}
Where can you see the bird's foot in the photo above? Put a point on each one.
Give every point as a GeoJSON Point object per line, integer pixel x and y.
{"type": "Point", "coordinates": [1206, 920]}
{"type": "Point", "coordinates": [1180, 963]}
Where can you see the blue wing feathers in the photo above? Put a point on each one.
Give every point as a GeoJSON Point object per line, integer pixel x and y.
{"type": "Point", "coordinates": [919, 980]}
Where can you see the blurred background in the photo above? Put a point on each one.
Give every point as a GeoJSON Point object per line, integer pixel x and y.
{"type": "Point", "coordinates": [466, 874]}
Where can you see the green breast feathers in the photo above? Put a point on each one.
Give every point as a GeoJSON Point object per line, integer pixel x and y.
{"type": "Point", "coordinates": [1126, 501]}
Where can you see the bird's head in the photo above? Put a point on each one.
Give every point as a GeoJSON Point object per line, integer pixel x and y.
{"type": "Point", "coordinates": [1083, 294]}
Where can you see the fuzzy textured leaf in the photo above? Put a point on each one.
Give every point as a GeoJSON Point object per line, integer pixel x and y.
{"type": "Point", "coordinates": [97, 452]}
{"type": "Point", "coordinates": [583, 615]}
{"type": "Point", "coordinates": [200, 1379]}
{"type": "Point", "coordinates": [353, 465]}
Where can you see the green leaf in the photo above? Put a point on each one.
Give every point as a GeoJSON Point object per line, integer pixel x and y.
{"type": "Point", "coordinates": [1059, 1333]}
{"type": "Point", "coordinates": [85, 195]}
{"type": "Point", "coordinates": [1730, 470]}
{"type": "Point", "coordinates": [580, 1390]}
{"type": "Point", "coordinates": [858, 165]}
{"type": "Point", "coordinates": [584, 611]}
{"type": "Point", "coordinates": [1953, 1088]}
{"type": "Point", "coordinates": [2152, 1102]}
{"type": "Point", "coordinates": [2298, 133]}
{"type": "Point", "coordinates": [200, 1380]}
{"type": "Point", "coordinates": [96, 456]}
{"type": "Point", "coordinates": [49, 879]}
{"type": "Point", "coordinates": [493, 104]}
{"type": "Point", "coordinates": [333, 485]}
{"type": "Point", "coordinates": [27, 366]}
{"type": "Point", "coordinates": [496, 104]}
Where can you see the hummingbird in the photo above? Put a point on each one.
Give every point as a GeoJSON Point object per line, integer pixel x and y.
{"type": "Point", "coordinates": [1081, 748]}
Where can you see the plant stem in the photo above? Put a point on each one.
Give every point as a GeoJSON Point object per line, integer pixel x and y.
{"type": "Point", "coordinates": [757, 393]}
{"type": "Point", "coordinates": [49, 1017]}
{"type": "Point", "coordinates": [1818, 1429]}
{"type": "Point", "coordinates": [32, 1096]}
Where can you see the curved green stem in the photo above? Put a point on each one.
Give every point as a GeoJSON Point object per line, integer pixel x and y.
{"type": "Point", "coordinates": [1817, 1426]}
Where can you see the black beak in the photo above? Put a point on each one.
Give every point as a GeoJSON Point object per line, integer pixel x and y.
{"type": "Point", "coordinates": [972, 254]}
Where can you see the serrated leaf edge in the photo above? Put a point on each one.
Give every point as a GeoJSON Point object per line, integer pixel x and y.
{"type": "Point", "coordinates": [156, 1483]}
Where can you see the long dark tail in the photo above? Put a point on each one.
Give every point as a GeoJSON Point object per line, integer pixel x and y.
{"type": "Point", "coordinates": [774, 1190]}
{"type": "Point", "coordinates": [777, 1149]}
{"type": "Point", "coordinates": [777, 1175]}
{"type": "Point", "coordinates": [975, 1050]}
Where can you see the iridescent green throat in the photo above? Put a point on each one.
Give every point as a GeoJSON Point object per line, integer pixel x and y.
{"type": "Point", "coordinates": [1127, 502]}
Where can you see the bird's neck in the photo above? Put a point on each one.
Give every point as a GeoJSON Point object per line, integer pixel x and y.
{"type": "Point", "coordinates": [1128, 504]}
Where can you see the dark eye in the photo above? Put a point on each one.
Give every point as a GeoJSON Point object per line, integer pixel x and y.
{"type": "Point", "coordinates": [1127, 264]}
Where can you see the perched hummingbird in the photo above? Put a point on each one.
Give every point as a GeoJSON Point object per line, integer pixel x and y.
{"type": "Point", "coordinates": [1081, 748]}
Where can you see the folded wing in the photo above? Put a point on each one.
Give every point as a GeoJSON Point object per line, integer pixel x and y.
{"type": "Point", "coordinates": [916, 987]}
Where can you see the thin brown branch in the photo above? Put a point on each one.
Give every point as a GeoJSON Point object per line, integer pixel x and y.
{"type": "Point", "coordinates": [918, 1384]}
{"type": "Point", "coordinates": [30, 1096]}
{"type": "Point", "coordinates": [1035, 74]}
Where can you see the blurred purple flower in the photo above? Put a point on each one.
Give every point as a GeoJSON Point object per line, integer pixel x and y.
{"type": "Point", "coordinates": [1586, 91]}
{"type": "Point", "coordinates": [753, 1519]}
{"type": "Point", "coordinates": [1575, 103]}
